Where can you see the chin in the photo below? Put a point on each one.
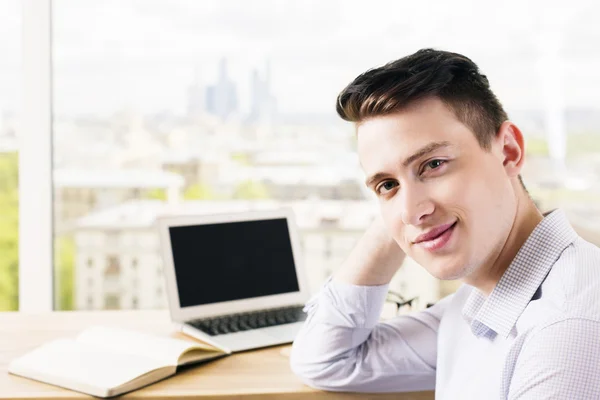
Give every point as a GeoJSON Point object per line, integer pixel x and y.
{"type": "Point", "coordinates": [447, 271]}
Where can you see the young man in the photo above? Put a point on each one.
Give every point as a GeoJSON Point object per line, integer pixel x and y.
{"type": "Point", "coordinates": [444, 160]}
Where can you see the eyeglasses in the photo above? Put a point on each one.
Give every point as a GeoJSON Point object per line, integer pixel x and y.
{"type": "Point", "coordinates": [399, 300]}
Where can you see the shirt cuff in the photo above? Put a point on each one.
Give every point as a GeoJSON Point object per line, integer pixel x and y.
{"type": "Point", "coordinates": [344, 304]}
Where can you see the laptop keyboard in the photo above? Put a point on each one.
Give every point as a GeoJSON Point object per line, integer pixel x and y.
{"type": "Point", "coordinates": [251, 320]}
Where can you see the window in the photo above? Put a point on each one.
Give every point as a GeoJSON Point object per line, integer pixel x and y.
{"type": "Point", "coordinates": [142, 89]}
{"type": "Point", "coordinates": [10, 48]}
{"type": "Point", "coordinates": [113, 268]}
{"type": "Point", "coordinates": [112, 302]}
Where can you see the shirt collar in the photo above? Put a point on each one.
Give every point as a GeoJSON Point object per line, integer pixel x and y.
{"type": "Point", "coordinates": [501, 310]}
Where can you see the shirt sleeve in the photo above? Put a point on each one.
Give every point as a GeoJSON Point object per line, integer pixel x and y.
{"type": "Point", "coordinates": [343, 347]}
{"type": "Point", "coordinates": [561, 361]}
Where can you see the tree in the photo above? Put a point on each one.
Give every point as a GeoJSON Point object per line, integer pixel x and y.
{"type": "Point", "coordinates": [156, 194]}
{"type": "Point", "coordinates": [250, 190]}
{"type": "Point", "coordinates": [64, 272]}
{"type": "Point", "coordinates": [241, 158]}
{"type": "Point", "coordinates": [9, 232]}
{"type": "Point", "coordinates": [199, 191]}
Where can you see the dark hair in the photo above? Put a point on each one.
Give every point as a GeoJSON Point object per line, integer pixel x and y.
{"type": "Point", "coordinates": [451, 77]}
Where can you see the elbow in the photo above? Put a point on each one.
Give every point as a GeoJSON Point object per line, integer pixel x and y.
{"type": "Point", "coordinates": [309, 372]}
{"type": "Point", "coordinates": [314, 375]}
{"type": "Point", "coordinates": [317, 373]}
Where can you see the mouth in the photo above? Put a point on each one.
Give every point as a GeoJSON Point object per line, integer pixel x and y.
{"type": "Point", "coordinates": [437, 238]}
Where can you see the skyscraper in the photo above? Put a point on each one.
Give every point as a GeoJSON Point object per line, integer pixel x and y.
{"type": "Point", "coordinates": [221, 98]}
{"type": "Point", "coordinates": [263, 106]}
{"type": "Point", "coordinates": [196, 96]}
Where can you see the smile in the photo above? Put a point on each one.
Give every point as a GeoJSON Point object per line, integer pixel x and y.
{"type": "Point", "coordinates": [435, 241]}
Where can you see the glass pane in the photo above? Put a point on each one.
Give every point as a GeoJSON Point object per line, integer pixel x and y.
{"type": "Point", "coordinates": [10, 79]}
{"type": "Point", "coordinates": [192, 106]}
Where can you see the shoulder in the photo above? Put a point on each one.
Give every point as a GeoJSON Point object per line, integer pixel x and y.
{"type": "Point", "coordinates": [567, 329]}
{"type": "Point", "coordinates": [574, 279]}
{"type": "Point", "coordinates": [560, 357]}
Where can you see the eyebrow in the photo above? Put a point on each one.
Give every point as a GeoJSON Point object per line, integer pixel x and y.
{"type": "Point", "coordinates": [429, 148]}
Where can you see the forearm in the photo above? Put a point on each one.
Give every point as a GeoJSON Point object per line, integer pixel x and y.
{"type": "Point", "coordinates": [343, 347]}
{"type": "Point", "coordinates": [373, 261]}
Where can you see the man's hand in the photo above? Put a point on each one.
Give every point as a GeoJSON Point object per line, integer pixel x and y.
{"type": "Point", "coordinates": [374, 260]}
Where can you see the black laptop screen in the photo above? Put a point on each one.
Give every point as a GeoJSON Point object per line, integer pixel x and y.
{"type": "Point", "coordinates": [232, 261]}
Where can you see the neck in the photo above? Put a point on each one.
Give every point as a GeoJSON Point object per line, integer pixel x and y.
{"type": "Point", "coordinates": [526, 219]}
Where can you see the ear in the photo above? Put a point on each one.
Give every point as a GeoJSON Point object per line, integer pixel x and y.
{"type": "Point", "coordinates": [513, 148]}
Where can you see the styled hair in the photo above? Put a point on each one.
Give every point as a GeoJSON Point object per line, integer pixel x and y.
{"type": "Point", "coordinates": [428, 73]}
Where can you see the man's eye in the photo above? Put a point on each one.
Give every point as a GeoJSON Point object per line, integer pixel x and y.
{"type": "Point", "coordinates": [386, 187]}
{"type": "Point", "coordinates": [433, 164]}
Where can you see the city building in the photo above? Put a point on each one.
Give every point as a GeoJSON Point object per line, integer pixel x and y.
{"type": "Point", "coordinates": [290, 183]}
{"type": "Point", "coordinates": [263, 104]}
{"type": "Point", "coordinates": [196, 97]}
{"type": "Point", "coordinates": [195, 167]}
{"type": "Point", "coordinates": [78, 192]}
{"type": "Point", "coordinates": [222, 97]}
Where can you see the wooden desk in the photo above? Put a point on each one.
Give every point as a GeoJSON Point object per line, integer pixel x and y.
{"type": "Point", "coordinates": [259, 374]}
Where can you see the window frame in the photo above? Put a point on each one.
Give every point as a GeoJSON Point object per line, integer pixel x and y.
{"type": "Point", "coordinates": [36, 285]}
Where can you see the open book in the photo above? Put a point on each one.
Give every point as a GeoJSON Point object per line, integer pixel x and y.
{"type": "Point", "coordinates": [106, 362]}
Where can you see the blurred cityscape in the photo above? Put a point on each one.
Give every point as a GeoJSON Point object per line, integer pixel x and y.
{"type": "Point", "coordinates": [234, 145]}
{"type": "Point", "coordinates": [113, 177]}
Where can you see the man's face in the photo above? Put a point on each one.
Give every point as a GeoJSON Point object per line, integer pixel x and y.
{"type": "Point", "coordinates": [446, 201]}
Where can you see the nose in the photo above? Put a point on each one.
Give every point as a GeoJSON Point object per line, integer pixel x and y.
{"type": "Point", "coordinates": [415, 205]}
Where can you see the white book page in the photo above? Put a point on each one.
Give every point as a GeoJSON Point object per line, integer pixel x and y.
{"type": "Point", "coordinates": [167, 350]}
{"type": "Point", "coordinates": [67, 361]}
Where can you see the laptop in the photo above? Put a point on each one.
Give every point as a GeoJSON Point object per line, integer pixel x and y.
{"type": "Point", "coordinates": [235, 280]}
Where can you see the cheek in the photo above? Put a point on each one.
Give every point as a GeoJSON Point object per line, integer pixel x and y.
{"type": "Point", "coordinates": [486, 200]}
{"type": "Point", "coordinates": [478, 189]}
{"type": "Point", "coordinates": [452, 193]}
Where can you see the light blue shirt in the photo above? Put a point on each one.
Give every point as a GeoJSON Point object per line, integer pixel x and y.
{"type": "Point", "coordinates": [536, 336]}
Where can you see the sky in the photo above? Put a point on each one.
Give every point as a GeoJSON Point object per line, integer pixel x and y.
{"type": "Point", "coordinates": [142, 55]}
